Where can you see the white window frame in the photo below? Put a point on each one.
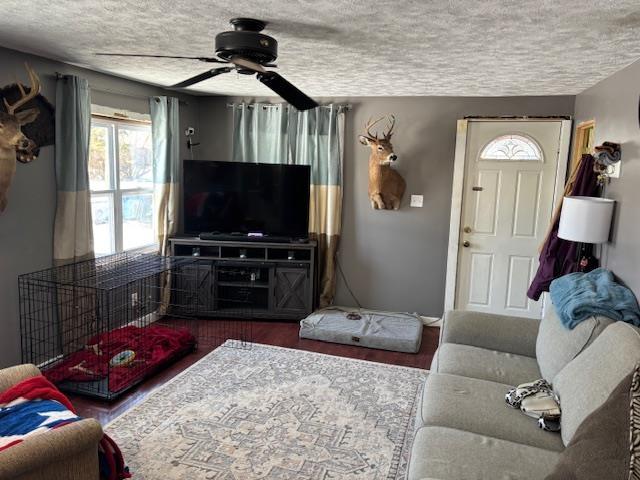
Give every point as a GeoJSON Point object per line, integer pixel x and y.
{"type": "Point", "coordinates": [115, 192]}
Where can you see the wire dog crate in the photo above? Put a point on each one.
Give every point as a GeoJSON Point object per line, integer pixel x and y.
{"type": "Point", "coordinates": [101, 326]}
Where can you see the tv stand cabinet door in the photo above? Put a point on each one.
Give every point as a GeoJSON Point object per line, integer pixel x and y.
{"type": "Point", "coordinates": [194, 289]}
{"type": "Point", "coordinates": [291, 290]}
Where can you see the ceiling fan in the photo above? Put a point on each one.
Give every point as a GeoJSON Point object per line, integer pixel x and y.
{"type": "Point", "coordinates": [247, 51]}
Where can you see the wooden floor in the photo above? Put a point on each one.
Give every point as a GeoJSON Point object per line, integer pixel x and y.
{"type": "Point", "coordinates": [283, 334]}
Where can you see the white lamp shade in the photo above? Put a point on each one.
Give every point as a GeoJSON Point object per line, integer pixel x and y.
{"type": "Point", "coordinates": [586, 219]}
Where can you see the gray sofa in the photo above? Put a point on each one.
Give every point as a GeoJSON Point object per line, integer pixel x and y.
{"type": "Point", "coordinates": [464, 428]}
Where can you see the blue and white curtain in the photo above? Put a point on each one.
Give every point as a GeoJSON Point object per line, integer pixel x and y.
{"type": "Point", "coordinates": [268, 133]}
{"type": "Point", "coordinates": [165, 132]}
{"type": "Point", "coordinates": [73, 228]}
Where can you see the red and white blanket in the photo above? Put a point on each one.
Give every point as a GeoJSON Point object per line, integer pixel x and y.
{"type": "Point", "coordinates": [36, 406]}
{"type": "Point", "coordinates": [31, 407]}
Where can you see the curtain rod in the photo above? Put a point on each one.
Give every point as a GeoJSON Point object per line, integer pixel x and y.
{"type": "Point", "coordinates": [122, 94]}
{"type": "Point", "coordinates": [518, 117]}
{"type": "Point", "coordinates": [133, 95]}
{"type": "Point", "coordinates": [345, 106]}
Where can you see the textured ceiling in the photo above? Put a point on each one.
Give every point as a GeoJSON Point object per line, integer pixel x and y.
{"type": "Point", "coordinates": [345, 48]}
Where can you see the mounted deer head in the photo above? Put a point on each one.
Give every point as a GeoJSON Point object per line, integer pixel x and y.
{"type": "Point", "coordinates": [13, 143]}
{"type": "Point", "coordinates": [386, 186]}
{"type": "Point", "coordinates": [381, 148]}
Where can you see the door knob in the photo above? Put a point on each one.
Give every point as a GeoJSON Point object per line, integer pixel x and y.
{"type": "Point", "coordinates": [467, 229]}
{"type": "Point", "coordinates": [466, 244]}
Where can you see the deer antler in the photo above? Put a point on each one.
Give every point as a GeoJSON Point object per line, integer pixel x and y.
{"type": "Point", "coordinates": [25, 97]}
{"type": "Point", "coordinates": [368, 126]}
{"type": "Point", "coordinates": [387, 136]}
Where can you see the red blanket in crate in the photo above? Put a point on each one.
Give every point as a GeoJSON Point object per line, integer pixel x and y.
{"type": "Point", "coordinates": [152, 346]}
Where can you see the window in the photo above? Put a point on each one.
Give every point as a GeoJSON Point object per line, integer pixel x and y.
{"type": "Point", "coordinates": [512, 147]}
{"type": "Point", "coordinates": [121, 184]}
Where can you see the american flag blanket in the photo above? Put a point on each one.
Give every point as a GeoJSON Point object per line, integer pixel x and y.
{"type": "Point", "coordinates": [31, 407]}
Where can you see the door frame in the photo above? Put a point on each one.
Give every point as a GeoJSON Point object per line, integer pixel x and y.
{"type": "Point", "coordinates": [459, 168]}
{"type": "Point", "coordinates": [579, 140]}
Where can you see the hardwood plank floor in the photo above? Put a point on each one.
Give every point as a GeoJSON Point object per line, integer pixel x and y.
{"type": "Point", "coordinates": [282, 334]}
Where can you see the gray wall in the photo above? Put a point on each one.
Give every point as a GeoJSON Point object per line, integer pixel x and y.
{"type": "Point", "coordinates": [26, 227]}
{"type": "Point", "coordinates": [395, 260]}
{"type": "Point", "coordinates": [613, 103]}
{"type": "Point", "coordinates": [215, 129]}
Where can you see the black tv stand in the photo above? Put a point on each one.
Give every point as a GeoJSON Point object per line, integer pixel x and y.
{"type": "Point", "coordinates": [241, 237]}
{"type": "Point", "coordinates": [246, 279]}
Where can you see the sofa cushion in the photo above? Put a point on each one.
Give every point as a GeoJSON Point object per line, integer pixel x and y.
{"type": "Point", "coordinates": [434, 361]}
{"type": "Point", "coordinates": [556, 345]}
{"type": "Point", "coordinates": [491, 365]}
{"type": "Point", "coordinates": [478, 406]}
{"type": "Point", "coordinates": [449, 454]}
{"type": "Point", "coordinates": [602, 445]}
{"type": "Point", "coordinates": [487, 330]}
{"type": "Point", "coordinates": [588, 380]}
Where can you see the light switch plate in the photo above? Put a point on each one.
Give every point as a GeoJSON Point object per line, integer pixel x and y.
{"type": "Point", "coordinates": [416, 200]}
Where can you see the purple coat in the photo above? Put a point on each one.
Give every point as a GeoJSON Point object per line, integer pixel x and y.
{"type": "Point", "coordinates": [558, 256]}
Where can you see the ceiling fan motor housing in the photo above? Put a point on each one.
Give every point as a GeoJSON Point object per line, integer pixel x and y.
{"type": "Point", "coordinates": [254, 46]}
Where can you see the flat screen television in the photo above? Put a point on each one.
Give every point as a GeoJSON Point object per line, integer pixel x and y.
{"type": "Point", "coordinates": [246, 198]}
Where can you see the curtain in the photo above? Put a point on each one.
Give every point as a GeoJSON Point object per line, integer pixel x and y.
{"type": "Point", "coordinates": [73, 228]}
{"type": "Point", "coordinates": [269, 133]}
{"type": "Point", "coordinates": [165, 132]}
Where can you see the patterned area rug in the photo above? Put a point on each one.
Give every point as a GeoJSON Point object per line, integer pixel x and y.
{"type": "Point", "coordinates": [274, 413]}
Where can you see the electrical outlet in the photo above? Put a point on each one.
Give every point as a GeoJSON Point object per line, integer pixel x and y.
{"type": "Point", "coordinates": [416, 200]}
{"type": "Point", "coordinates": [134, 299]}
{"type": "Point", "coordinates": [614, 170]}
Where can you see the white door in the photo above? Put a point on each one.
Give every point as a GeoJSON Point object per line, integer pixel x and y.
{"type": "Point", "coordinates": [507, 202]}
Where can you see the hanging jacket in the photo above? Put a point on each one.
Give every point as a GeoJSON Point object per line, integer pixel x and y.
{"type": "Point", "coordinates": [558, 256]}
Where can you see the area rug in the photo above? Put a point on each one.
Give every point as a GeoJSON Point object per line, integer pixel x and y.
{"type": "Point", "coordinates": [274, 413]}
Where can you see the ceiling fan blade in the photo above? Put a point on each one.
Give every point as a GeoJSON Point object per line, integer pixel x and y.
{"type": "Point", "coordinates": [287, 90]}
{"type": "Point", "coordinates": [201, 77]}
{"type": "Point", "coordinates": [142, 55]}
{"type": "Point", "coordinates": [246, 64]}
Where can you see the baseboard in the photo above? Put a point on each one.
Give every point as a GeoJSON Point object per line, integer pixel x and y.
{"type": "Point", "coordinates": [431, 321]}
{"type": "Point", "coordinates": [146, 320]}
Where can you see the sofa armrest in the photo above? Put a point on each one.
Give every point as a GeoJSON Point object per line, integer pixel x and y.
{"type": "Point", "coordinates": [54, 446]}
{"type": "Point", "coordinates": [486, 330]}
{"type": "Point", "coordinates": [12, 375]}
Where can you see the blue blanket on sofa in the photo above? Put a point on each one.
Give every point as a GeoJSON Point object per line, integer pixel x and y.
{"type": "Point", "coordinates": [578, 296]}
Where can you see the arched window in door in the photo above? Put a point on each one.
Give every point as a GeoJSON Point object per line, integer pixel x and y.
{"type": "Point", "coordinates": [512, 147]}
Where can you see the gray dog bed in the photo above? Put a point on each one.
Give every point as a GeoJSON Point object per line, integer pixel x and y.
{"type": "Point", "coordinates": [398, 332]}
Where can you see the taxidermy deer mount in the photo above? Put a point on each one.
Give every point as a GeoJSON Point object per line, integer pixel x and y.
{"type": "Point", "coordinates": [386, 186]}
{"type": "Point", "coordinates": [14, 145]}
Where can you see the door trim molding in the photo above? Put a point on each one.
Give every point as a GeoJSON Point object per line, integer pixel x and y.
{"type": "Point", "coordinates": [458, 185]}
{"type": "Point", "coordinates": [456, 214]}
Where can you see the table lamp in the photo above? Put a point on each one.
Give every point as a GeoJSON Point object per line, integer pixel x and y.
{"type": "Point", "coordinates": [586, 220]}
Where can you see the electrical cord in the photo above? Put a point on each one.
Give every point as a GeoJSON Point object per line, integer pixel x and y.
{"type": "Point", "coordinates": [346, 283]}
{"type": "Point", "coordinates": [355, 299]}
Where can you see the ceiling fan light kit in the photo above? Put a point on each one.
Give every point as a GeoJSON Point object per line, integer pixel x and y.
{"type": "Point", "coordinates": [247, 41]}
{"type": "Point", "coordinates": [248, 52]}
